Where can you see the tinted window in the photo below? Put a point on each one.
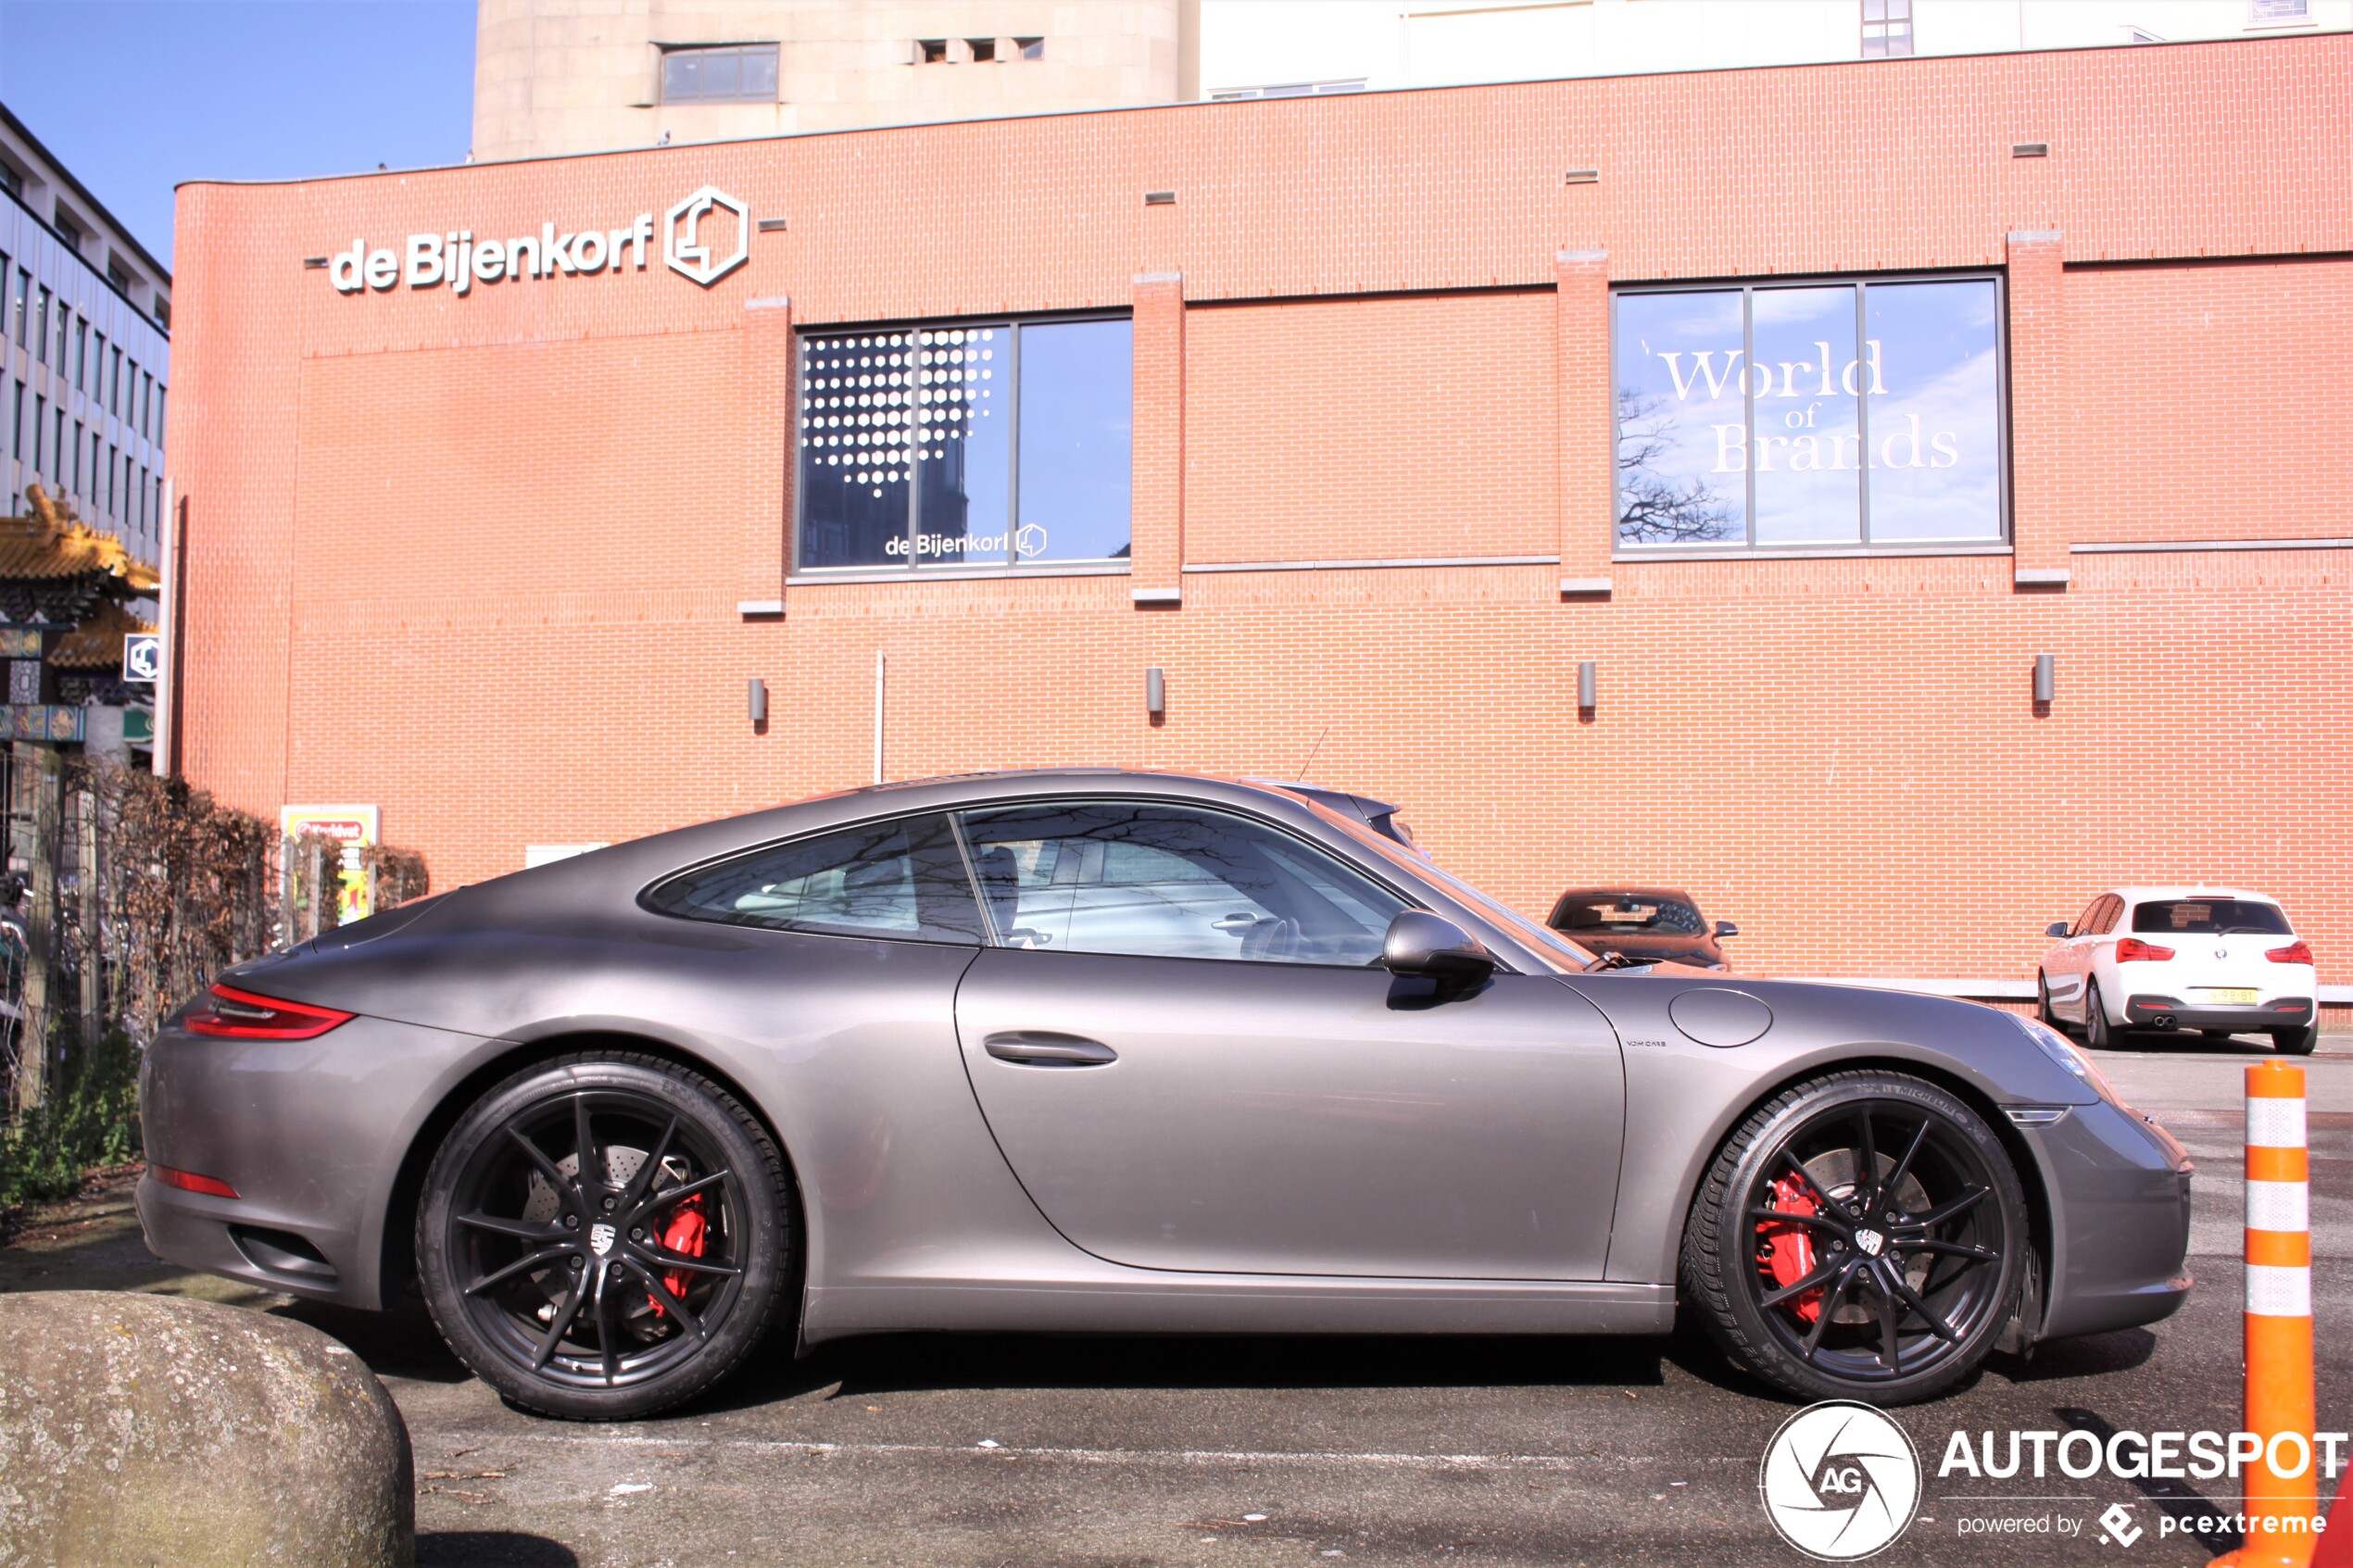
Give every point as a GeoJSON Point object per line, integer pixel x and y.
{"type": "Point", "coordinates": [903, 878]}
{"type": "Point", "coordinates": [2088, 922]}
{"type": "Point", "coordinates": [1171, 882]}
{"type": "Point", "coordinates": [2211, 916]}
{"type": "Point", "coordinates": [1628, 914]}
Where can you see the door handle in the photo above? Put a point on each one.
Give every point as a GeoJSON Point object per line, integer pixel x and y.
{"type": "Point", "coordinates": [1234, 922]}
{"type": "Point", "coordinates": [1037, 1047]}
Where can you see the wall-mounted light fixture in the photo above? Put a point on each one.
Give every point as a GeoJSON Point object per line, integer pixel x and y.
{"type": "Point", "coordinates": [756, 700]}
{"type": "Point", "coordinates": [1583, 177]}
{"type": "Point", "coordinates": [2030, 149]}
{"type": "Point", "coordinates": [1155, 693]}
{"type": "Point", "coordinates": [2045, 677]}
{"type": "Point", "coordinates": [1587, 684]}
{"type": "Point", "coordinates": [1160, 198]}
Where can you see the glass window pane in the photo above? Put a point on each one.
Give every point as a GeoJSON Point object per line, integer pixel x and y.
{"type": "Point", "coordinates": [854, 453]}
{"type": "Point", "coordinates": [1077, 390]}
{"type": "Point", "coordinates": [1805, 389]}
{"type": "Point", "coordinates": [1935, 413]}
{"type": "Point", "coordinates": [959, 429]}
{"type": "Point", "coordinates": [722, 74]}
{"type": "Point", "coordinates": [681, 76]}
{"type": "Point", "coordinates": [1156, 880]}
{"type": "Point", "coordinates": [760, 74]}
{"type": "Point", "coordinates": [904, 879]}
{"type": "Point", "coordinates": [1682, 429]}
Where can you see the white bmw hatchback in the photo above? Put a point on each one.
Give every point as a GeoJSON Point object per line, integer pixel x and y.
{"type": "Point", "coordinates": [2218, 960]}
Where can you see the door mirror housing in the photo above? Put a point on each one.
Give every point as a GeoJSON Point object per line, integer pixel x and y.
{"type": "Point", "coordinates": [1726, 928]}
{"type": "Point", "coordinates": [1423, 944]}
{"type": "Point", "coordinates": [2056, 928]}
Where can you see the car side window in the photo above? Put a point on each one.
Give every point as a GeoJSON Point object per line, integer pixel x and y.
{"type": "Point", "coordinates": [902, 880]}
{"type": "Point", "coordinates": [1166, 881]}
{"type": "Point", "coordinates": [2109, 916]}
{"type": "Point", "coordinates": [2088, 923]}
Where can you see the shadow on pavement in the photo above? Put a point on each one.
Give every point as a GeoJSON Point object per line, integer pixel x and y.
{"type": "Point", "coordinates": [2093, 1355]}
{"type": "Point", "coordinates": [400, 1343]}
{"type": "Point", "coordinates": [490, 1549]}
{"type": "Point", "coordinates": [889, 1364]}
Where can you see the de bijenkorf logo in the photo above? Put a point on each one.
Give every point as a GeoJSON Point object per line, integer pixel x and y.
{"type": "Point", "coordinates": [706, 251]}
{"type": "Point", "coordinates": [1839, 1481]}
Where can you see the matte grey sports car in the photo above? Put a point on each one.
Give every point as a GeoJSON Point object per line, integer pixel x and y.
{"type": "Point", "coordinates": [1119, 1052]}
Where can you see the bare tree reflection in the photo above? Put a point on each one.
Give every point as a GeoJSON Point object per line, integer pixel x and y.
{"type": "Point", "coordinates": [1654, 508]}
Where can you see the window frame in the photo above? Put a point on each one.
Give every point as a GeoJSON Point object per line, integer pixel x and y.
{"type": "Point", "coordinates": [736, 51]}
{"type": "Point", "coordinates": [900, 819]}
{"type": "Point", "coordinates": [1750, 550]}
{"type": "Point", "coordinates": [913, 570]}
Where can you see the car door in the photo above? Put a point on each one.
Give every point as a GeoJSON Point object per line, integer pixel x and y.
{"type": "Point", "coordinates": [1189, 1054]}
{"type": "Point", "coordinates": [2064, 967]}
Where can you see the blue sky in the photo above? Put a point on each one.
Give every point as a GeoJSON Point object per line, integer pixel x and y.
{"type": "Point", "coordinates": [135, 95]}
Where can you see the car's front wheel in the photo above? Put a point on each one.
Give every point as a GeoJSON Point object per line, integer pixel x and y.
{"type": "Point", "coordinates": [1861, 1236]}
{"type": "Point", "coordinates": [603, 1235]}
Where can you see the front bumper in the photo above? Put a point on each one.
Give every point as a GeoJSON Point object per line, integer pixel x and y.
{"type": "Point", "coordinates": [311, 1134]}
{"type": "Point", "coordinates": [2157, 1011]}
{"type": "Point", "coordinates": [2120, 1195]}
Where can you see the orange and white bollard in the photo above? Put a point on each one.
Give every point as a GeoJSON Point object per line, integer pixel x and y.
{"type": "Point", "coordinates": [2282, 1481]}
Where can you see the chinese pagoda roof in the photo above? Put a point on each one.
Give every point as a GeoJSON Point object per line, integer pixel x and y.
{"type": "Point", "coordinates": [96, 644]}
{"type": "Point", "coordinates": [50, 543]}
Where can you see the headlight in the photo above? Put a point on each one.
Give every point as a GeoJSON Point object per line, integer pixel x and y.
{"type": "Point", "coordinates": [2061, 1049]}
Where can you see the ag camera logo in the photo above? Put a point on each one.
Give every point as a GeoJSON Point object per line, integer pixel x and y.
{"type": "Point", "coordinates": [1839, 1481]}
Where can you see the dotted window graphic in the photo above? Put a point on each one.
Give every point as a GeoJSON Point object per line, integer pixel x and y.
{"type": "Point", "coordinates": [988, 445]}
{"type": "Point", "coordinates": [874, 406]}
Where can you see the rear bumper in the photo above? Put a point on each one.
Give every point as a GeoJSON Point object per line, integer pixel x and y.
{"type": "Point", "coordinates": [2119, 1192]}
{"type": "Point", "coordinates": [2157, 1011]}
{"type": "Point", "coordinates": [311, 1134]}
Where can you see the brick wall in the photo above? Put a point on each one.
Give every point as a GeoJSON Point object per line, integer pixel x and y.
{"type": "Point", "coordinates": [481, 560]}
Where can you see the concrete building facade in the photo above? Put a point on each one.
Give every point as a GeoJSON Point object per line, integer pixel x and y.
{"type": "Point", "coordinates": [1811, 406]}
{"type": "Point", "coordinates": [85, 350]}
{"type": "Point", "coordinates": [555, 77]}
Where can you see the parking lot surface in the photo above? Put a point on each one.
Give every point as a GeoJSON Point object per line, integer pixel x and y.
{"type": "Point", "coordinates": [1128, 1451]}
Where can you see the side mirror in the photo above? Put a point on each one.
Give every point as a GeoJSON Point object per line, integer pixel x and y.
{"type": "Point", "coordinates": [1726, 928]}
{"type": "Point", "coordinates": [2056, 928]}
{"type": "Point", "coordinates": [1431, 946]}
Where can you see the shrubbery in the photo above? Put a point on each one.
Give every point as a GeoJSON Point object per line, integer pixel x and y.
{"type": "Point", "coordinates": [90, 1119]}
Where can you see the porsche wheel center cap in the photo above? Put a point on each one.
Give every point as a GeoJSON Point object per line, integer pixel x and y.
{"type": "Point", "coordinates": [600, 1238]}
{"type": "Point", "coordinates": [1869, 1241]}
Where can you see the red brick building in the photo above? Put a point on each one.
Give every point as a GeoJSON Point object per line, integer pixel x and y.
{"type": "Point", "coordinates": [1408, 405]}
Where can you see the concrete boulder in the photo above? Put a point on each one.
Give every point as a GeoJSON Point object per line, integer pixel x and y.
{"type": "Point", "coordinates": [140, 1429]}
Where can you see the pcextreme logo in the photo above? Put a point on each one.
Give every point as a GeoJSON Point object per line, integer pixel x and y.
{"type": "Point", "coordinates": [704, 238]}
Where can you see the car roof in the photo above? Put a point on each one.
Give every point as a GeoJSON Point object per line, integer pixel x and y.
{"type": "Point", "coordinates": [2190, 890]}
{"type": "Point", "coordinates": [1621, 890]}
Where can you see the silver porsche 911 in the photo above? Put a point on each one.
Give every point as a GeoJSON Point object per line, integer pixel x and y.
{"type": "Point", "coordinates": [1098, 1050]}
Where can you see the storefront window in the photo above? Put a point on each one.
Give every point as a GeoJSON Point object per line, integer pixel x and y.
{"type": "Point", "coordinates": [1795, 415]}
{"type": "Point", "coordinates": [1001, 445]}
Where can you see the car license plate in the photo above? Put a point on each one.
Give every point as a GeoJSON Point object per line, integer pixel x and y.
{"type": "Point", "coordinates": [2224, 996]}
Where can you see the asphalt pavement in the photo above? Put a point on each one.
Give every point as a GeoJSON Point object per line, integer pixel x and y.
{"type": "Point", "coordinates": [1095, 1452]}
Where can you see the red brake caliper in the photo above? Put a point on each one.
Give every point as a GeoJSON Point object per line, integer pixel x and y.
{"type": "Point", "coordinates": [685, 1235]}
{"type": "Point", "coordinates": [1786, 1252]}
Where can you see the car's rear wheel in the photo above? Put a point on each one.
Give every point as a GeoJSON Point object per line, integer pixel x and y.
{"type": "Point", "coordinates": [2042, 1001]}
{"type": "Point", "coordinates": [2297, 1042]}
{"type": "Point", "coordinates": [1861, 1236]}
{"type": "Point", "coordinates": [2098, 1033]}
{"type": "Point", "coordinates": [600, 1236]}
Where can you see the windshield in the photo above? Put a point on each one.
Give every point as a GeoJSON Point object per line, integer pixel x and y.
{"type": "Point", "coordinates": [1628, 914]}
{"type": "Point", "coordinates": [2217, 916]}
{"type": "Point", "coordinates": [1414, 862]}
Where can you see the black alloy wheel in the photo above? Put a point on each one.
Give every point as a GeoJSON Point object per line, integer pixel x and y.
{"type": "Point", "coordinates": [602, 1236]}
{"type": "Point", "coordinates": [1862, 1236]}
{"type": "Point", "coordinates": [2098, 1033]}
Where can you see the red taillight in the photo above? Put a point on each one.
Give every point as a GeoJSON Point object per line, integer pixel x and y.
{"type": "Point", "coordinates": [241, 1015]}
{"type": "Point", "coordinates": [2297, 951]}
{"type": "Point", "coordinates": [2131, 949]}
{"type": "Point", "coordinates": [188, 1181]}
